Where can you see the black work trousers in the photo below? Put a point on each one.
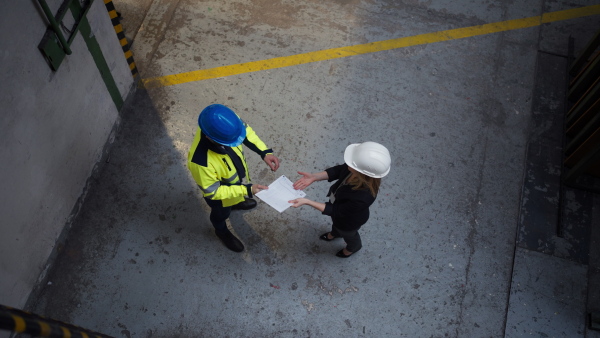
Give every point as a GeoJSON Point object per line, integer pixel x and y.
{"type": "Point", "coordinates": [352, 238]}
{"type": "Point", "coordinates": [218, 215]}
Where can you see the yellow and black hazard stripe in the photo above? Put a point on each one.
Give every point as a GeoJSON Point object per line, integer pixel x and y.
{"type": "Point", "coordinates": [115, 18]}
{"type": "Point", "coordinates": [19, 321]}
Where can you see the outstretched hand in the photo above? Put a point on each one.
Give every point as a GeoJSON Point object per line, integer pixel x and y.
{"type": "Point", "coordinates": [272, 161]}
{"type": "Point", "coordinates": [298, 202]}
{"type": "Point", "coordinates": [306, 180]}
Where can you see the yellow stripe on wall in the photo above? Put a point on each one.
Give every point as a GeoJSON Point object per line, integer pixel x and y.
{"type": "Point", "coordinates": [112, 13]}
{"type": "Point", "coordinates": [19, 324]}
{"type": "Point", "coordinates": [44, 329]}
{"type": "Point", "coordinates": [335, 53]}
{"type": "Point", "coordinates": [66, 332]}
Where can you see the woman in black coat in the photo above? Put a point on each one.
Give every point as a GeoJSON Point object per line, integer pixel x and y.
{"type": "Point", "coordinates": [357, 185]}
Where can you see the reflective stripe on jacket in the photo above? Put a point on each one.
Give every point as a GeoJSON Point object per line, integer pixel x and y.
{"type": "Point", "coordinates": [214, 171]}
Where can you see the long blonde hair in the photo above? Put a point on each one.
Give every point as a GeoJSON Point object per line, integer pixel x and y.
{"type": "Point", "coordinates": [361, 181]}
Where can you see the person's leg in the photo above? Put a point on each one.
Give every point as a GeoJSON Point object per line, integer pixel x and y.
{"type": "Point", "coordinates": [352, 239]}
{"type": "Point", "coordinates": [218, 218]}
{"type": "Point", "coordinates": [353, 242]}
{"type": "Point", "coordinates": [218, 215]}
{"type": "Point", "coordinates": [334, 232]}
{"type": "Point", "coordinates": [330, 236]}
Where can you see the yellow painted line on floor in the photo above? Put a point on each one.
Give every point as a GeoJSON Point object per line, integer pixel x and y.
{"type": "Point", "coordinates": [335, 53]}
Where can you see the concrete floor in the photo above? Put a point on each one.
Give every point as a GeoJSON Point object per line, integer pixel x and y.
{"type": "Point", "coordinates": [440, 249]}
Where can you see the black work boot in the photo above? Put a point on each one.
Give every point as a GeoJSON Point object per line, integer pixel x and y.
{"type": "Point", "coordinates": [230, 241]}
{"type": "Point", "coordinates": [247, 204]}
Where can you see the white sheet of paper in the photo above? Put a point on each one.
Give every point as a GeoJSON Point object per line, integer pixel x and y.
{"type": "Point", "coordinates": [279, 193]}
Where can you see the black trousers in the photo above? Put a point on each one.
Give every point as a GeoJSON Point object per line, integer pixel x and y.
{"type": "Point", "coordinates": [218, 215]}
{"type": "Point", "coordinates": [352, 238]}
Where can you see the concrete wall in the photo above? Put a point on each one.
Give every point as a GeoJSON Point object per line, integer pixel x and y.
{"type": "Point", "coordinates": [53, 129]}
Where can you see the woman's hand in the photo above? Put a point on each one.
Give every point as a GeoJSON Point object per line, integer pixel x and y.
{"type": "Point", "coordinates": [258, 188]}
{"type": "Point", "coordinates": [298, 202]}
{"type": "Point", "coordinates": [305, 181]}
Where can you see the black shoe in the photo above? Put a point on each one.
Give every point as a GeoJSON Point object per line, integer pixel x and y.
{"type": "Point", "coordinates": [231, 242]}
{"type": "Point", "coordinates": [246, 205]}
{"type": "Point", "coordinates": [342, 255]}
{"type": "Point", "coordinates": [324, 237]}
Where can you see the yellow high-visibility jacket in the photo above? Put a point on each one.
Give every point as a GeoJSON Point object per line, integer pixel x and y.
{"type": "Point", "coordinates": [215, 172]}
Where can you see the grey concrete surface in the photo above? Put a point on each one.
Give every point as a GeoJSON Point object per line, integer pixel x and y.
{"type": "Point", "coordinates": [54, 127]}
{"type": "Point", "coordinates": [135, 15]}
{"type": "Point", "coordinates": [551, 292]}
{"type": "Point", "coordinates": [142, 260]}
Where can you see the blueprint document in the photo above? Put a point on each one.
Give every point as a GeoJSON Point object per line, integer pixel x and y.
{"type": "Point", "coordinates": [279, 193]}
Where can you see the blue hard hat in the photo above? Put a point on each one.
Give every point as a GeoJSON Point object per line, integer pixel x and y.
{"type": "Point", "coordinates": [222, 125]}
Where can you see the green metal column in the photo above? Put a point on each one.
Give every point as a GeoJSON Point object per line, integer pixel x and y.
{"type": "Point", "coordinates": [94, 48]}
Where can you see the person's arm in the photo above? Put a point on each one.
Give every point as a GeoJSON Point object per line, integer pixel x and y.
{"type": "Point", "coordinates": [210, 184]}
{"type": "Point", "coordinates": [308, 178]}
{"type": "Point", "coordinates": [337, 172]}
{"type": "Point", "coordinates": [255, 144]}
{"type": "Point", "coordinates": [305, 201]}
{"type": "Point", "coordinates": [272, 161]}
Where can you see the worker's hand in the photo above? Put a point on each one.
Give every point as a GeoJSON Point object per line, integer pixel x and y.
{"type": "Point", "coordinates": [258, 188]}
{"type": "Point", "coordinates": [298, 202]}
{"type": "Point", "coordinates": [305, 181]}
{"type": "Point", "coordinates": [272, 161]}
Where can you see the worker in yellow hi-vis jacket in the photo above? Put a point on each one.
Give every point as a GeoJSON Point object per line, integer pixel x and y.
{"type": "Point", "coordinates": [216, 161]}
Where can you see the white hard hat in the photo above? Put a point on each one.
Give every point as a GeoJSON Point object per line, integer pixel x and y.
{"type": "Point", "coordinates": [369, 158]}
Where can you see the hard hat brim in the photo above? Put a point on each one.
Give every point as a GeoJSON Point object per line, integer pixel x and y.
{"type": "Point", "coordinates": [236, 143]}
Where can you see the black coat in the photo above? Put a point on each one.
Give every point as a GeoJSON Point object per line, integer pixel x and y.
{"type": "Point", "coordinates": [351, 207]}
